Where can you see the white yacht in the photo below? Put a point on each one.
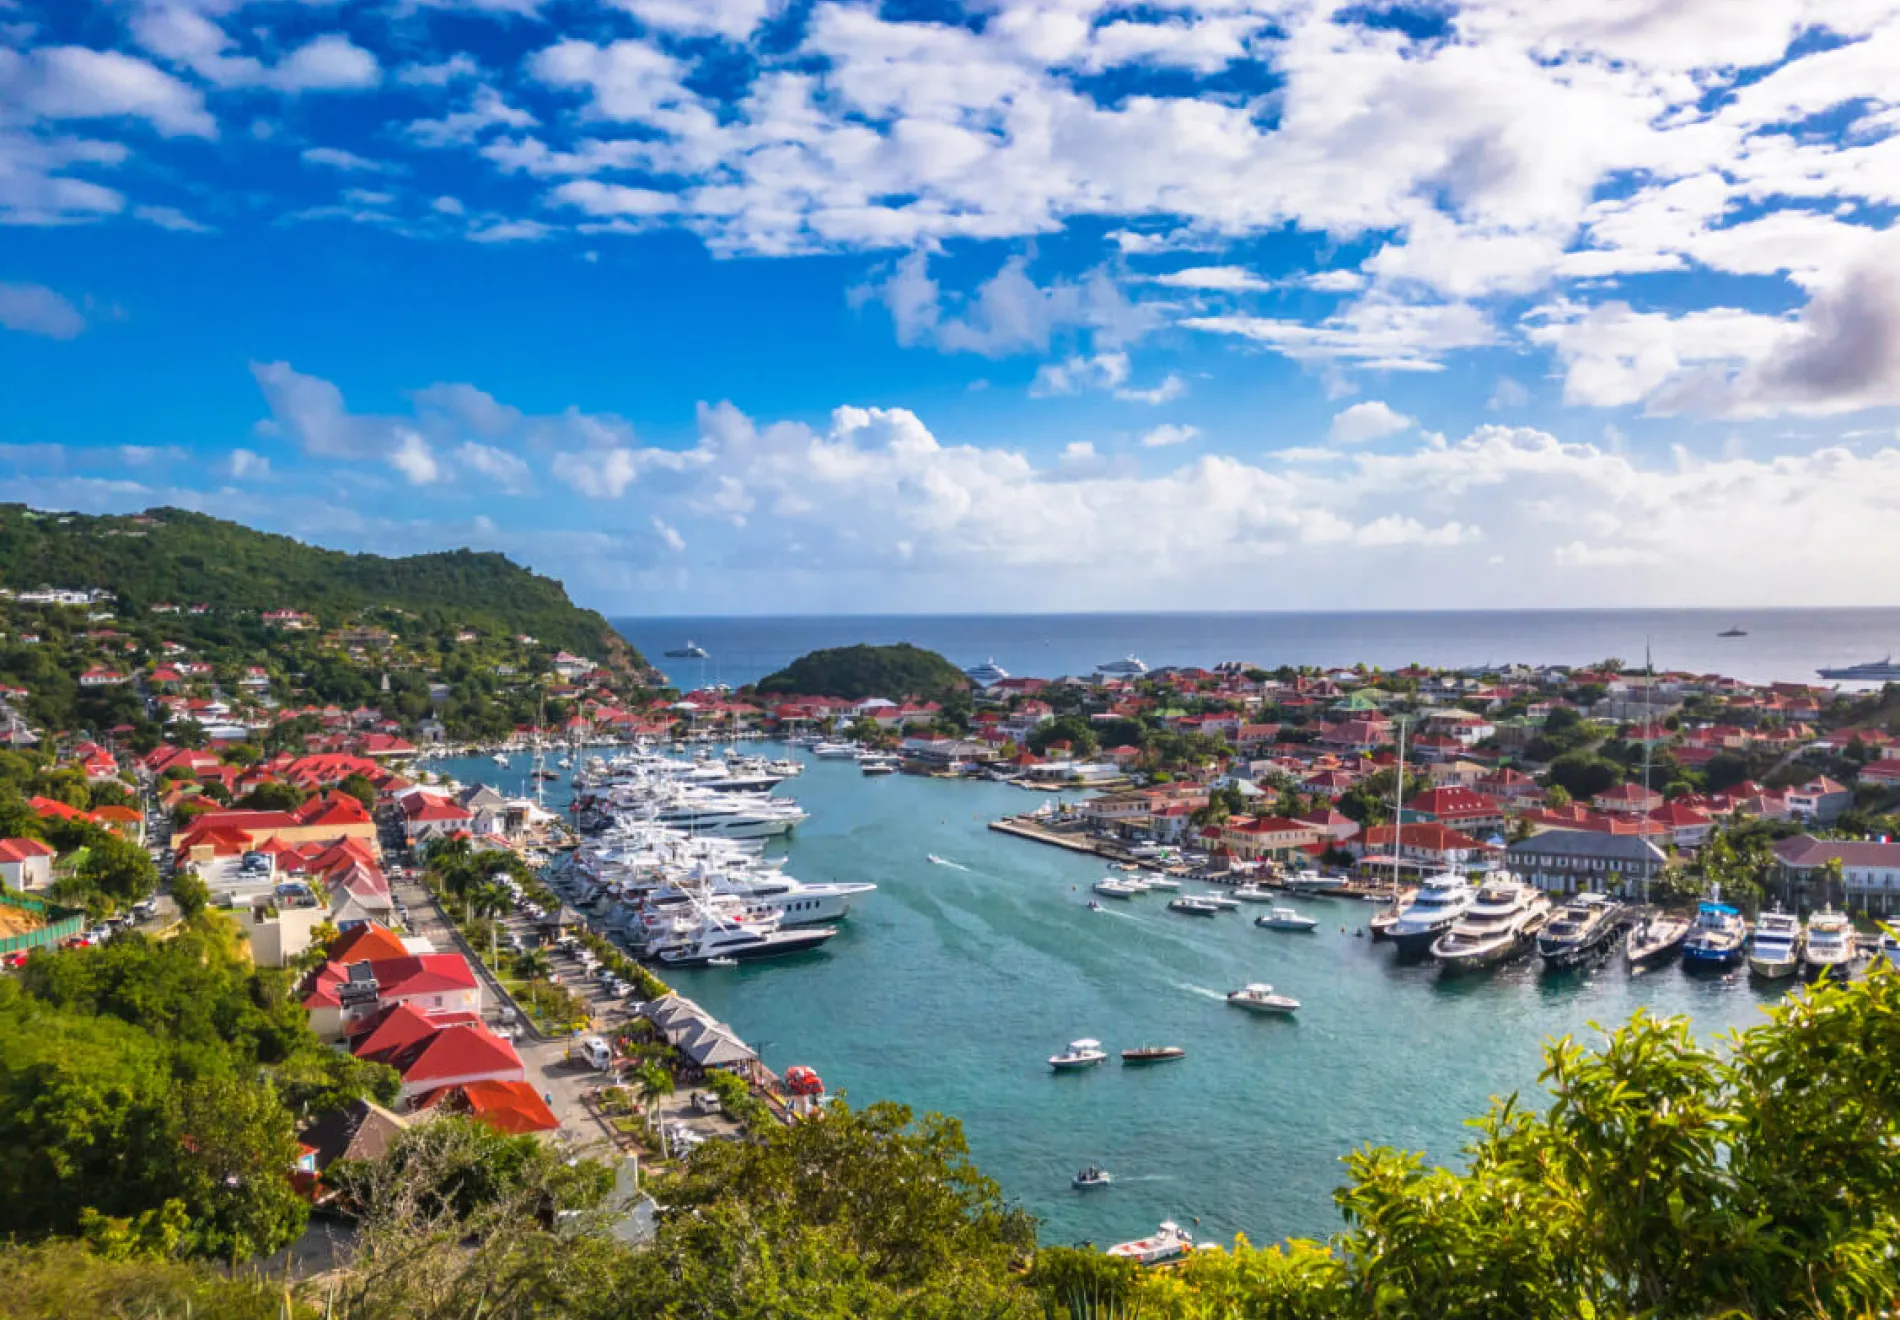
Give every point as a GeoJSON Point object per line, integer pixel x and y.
{"type": "Point", "coordinates": [501, 758]}
{"type": "Point", "coordinates": [1433, 910]}
{"type": "Point", "coordinates": [791, 902]}
{"type": "Point", "coordinates": [1258, 998]}
{"type": "Point", "coordinates": [1831, 944]}
{"type": "Point", "coordinates": [1127, 667]}
{"type": "Point", "coordinates": [1502, 922]}
{"type": "Point", "coordinates": [1084, 1053]}
{"type": "Point", "coordinates": [1285, 918]}
{"type": "Point", "coordinates": [1155, 880]}
{"type": "Point", "coordinates": [1774, 952]}
{"type": "Point", "coordinates": [1113, 888]}
{"type": "Point", "coordinates": [744, 942]}
{"type": "Point", "coordinates": [1252, 893]}
{"type": "Point", "coordinates": [987, 674]}
{"type": "Point", "coordinates": [877, 763]}
{"type": "Point", "coordinates": [835, 751]}
{"type": "Point", "coordinates": [1312, 882]}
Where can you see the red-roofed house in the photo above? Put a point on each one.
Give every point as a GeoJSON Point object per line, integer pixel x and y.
{"type": "Point", "coordinates": [1688, 826]}
{"type": "Point", "coordinates": [427, 815]}
{"type": "Point", "coordinates": [1628, 799]}
{"type": "Point", "coordinates": [1252, 838]}
{"type": "Point", "coordinates": [338, 996]}
{"type": "Point", "coordinates": [1430, 844]}
{"type": "Point", "coordinates": [25, 864]}
{"type": "Point", "coordinates": [1459, 808]}
{"type": "Point", "coordinates": [1820, 800]}
{"type": "Point", "coordinates": [456, 1056]}
{"type": "Point", "coordinates": [369, 942]}
{"type": "Point", "coordinates": [514, 1108]}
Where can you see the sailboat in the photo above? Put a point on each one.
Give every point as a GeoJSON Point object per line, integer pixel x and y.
{"type": "Point", "coordinates": [1658, 936]}
{"type": "Point", "coordinates": [1386, 918]}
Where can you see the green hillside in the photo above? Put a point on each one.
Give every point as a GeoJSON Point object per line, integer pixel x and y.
{"type": "Point", "coordinates": [855, 672]}
{"type": "Point", "coordinates": [173, 556]}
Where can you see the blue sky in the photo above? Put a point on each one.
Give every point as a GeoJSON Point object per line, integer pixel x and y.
{"type": "Point", "coordinates": [767, 305]}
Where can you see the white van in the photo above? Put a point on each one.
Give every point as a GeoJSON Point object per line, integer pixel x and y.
{"type": "Point", "coordinates": [597, 1053]}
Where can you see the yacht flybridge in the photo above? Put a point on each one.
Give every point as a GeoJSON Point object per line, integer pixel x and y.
{"type": "Point", "coordinates": [1502, 922]}
{"type": "Point", "coordinates": [1433, 910]}
{"type": "Point", "coordinates": [1774, 951]}
{"type": "Point", "coordinates": [1583, 929]}
{"type": "Point", "coordinates": [1831, 944]}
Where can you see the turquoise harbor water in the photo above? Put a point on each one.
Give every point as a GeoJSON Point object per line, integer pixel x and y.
{"type": "Point", "coordinates": [950, 987]}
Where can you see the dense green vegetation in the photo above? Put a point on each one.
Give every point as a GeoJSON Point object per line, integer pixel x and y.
{"type": "Point", "coordinates": [1665, 1179]}
{"type": "Point", "coordinates": [856, 672]}
{"type": "Point", "coordinates": [150, 1092]}
{"type": "Point", "coordinates": [176, 557]}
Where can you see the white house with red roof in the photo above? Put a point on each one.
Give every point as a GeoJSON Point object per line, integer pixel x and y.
{"type": "Point", "coordinates": [99, 676]}
{"type": "Point", "coordinates": [25, 864]}
{"type": "Point", "coordinates": [288, 620]}
{"type": "Point", "coordinates": [427, 815]}
{"type": "Point", "coordinates": [340, 995]}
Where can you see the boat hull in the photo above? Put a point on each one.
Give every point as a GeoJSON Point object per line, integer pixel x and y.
{"type": "Point", "coordinates": [1455, 961]}
{"type": "Point", "coordinates": [1773, 969]}
{"type": "Point", "coordinates": [1711, 957]}
{"type": "Point", "coordinates": [1132, 1059]}
{"type": "Point", "coordinates": [779, 946]}
{"type": "Point", "coordinates": [1416, 942]}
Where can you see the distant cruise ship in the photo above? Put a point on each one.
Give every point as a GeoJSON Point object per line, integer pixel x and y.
{"type": "Point", "coordinates": [1125, 668]}
{"type": "Point", "coordinates": [690, 651]}
{"type": "Point", "coordinates": [987, 674]}
{"type": "Point", "coordinates": [1874, 671]}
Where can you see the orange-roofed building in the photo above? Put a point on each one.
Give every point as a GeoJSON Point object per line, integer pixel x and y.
{"type": "Point", "coordinates": [513, 1108]}
{"type": "Point", "coordinates": [366, 943]}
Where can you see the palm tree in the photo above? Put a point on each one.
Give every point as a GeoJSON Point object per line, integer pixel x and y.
{"type": "Point", "coordinates": [654, 1083]}
{"type": "Point", "coordinates": [488, 899]}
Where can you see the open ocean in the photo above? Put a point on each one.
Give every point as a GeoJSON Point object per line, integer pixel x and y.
{"type": "Point", "coordinates": [1782, 644]}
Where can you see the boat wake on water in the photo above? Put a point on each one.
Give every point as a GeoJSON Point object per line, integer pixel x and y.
{"type": "Point", "coordinates": [1200, 990]}
{"type": "Point", "coordinates": [945, 861]}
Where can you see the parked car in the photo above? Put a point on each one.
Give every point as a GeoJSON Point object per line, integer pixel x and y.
{"type": "Point", "coordinates": [597, 1053]}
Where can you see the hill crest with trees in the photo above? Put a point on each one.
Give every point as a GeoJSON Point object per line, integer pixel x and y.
{"type": "Point", "coordinates": [168, 556]}
{"type": "Point", "coordinates": [852, 673]}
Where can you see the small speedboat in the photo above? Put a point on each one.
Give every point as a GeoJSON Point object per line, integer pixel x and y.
{"type": "Point", "coordinates": [1258, 998]}
{"type": "Point", "coordinates": [1194, 907]}
{"type": "Point", "coordinates": [1084, 1053]}
{"type": "Point", "coordinates": [1160, 882]}
{"type": "Point", "coordinates": [1113, 888]}
{"type": "Point", "coordinates": [1220, 901]}
{"type": "Point", "coordinates": [1146, 1054]}
{"type": "Point", "coordinates": [1285, 918]}
{"type": "Point", "coordinates": [1090, 1177]}
{"type": "Point", "coordinates": [1094, 906]}
{"type": "Point", "coordinates": [1255, 894]}
{"type": "Point", "coordinates": [1169, 1242]}
{"type": "Point", "coordinates": [932, 857]}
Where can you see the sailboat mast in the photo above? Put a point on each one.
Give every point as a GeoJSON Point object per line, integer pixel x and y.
{"type": "Point", "coordinates": [1398, 814]}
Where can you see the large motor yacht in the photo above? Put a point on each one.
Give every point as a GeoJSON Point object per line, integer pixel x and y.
{"type": "Point", "coordinates": [1436, 906]}
{"type": "Point", "coordinates": [1716, 939]}
{"type": "Point", "coordinates": [1127, 667]}
{"type": "Point", "coordinates": [1831, 944]}
{"type": "Point", "coordinates": [1501, 923]}
{"type": "Point", "coordinates": [1584, 928]}
{"type": "Point", "coordinates": [745, 942]}
{"type": "Point", "coordinates": [987, 674]}
{"type": "Point", "coordinates": [1775, 951]}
